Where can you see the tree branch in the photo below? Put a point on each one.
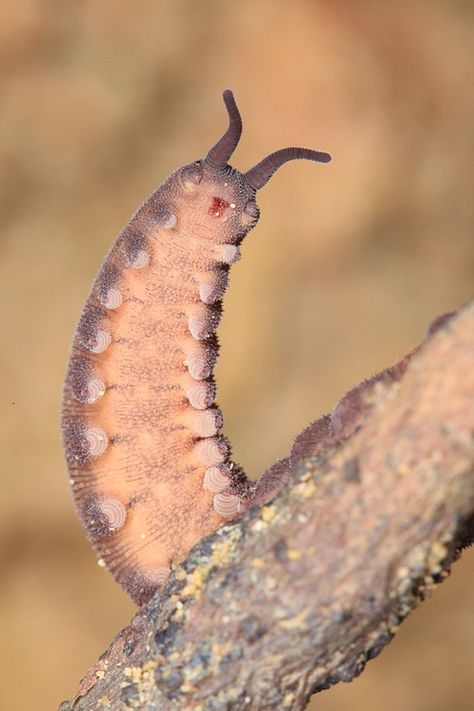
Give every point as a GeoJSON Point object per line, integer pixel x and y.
{"type": "Point", "coordinates": [301, 592]}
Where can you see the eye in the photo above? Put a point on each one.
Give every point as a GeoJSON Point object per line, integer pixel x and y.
{"type": "Point", "coordinates": [251, 209]}
{"type": "Point", "coordinates": [191, 175]}
{"type": "Point", "coordinates": [249, 216]}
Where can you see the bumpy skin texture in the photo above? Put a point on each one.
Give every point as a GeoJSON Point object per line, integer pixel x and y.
{"type": "Point", "coordinates": [150, 473]}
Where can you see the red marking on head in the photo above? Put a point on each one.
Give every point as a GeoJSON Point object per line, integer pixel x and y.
{"type": "Point", "coordinates": [218, 207]}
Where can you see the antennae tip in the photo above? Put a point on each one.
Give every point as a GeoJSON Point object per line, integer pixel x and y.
{"type": "Point", "coordinates": [229, 100]}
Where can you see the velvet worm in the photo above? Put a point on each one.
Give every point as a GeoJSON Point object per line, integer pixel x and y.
{"type": "Point", "coordinates": [150, 471]}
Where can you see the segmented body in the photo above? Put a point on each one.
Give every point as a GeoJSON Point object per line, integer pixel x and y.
{"type": "Point", "coordinates": [150, 472]}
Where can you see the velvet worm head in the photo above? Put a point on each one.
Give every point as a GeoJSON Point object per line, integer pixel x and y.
{"type": "Point", "coordinates": [150, 471]}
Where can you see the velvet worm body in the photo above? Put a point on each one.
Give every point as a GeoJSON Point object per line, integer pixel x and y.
{"type": "Point", "coordinates": [150, 472]}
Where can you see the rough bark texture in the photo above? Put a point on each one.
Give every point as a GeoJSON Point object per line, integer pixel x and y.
{"type": "Point", "coordinates": [301, 592]}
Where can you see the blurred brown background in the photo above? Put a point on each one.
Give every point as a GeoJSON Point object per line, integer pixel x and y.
{"type": "Point", "coordinates": [349, 263]}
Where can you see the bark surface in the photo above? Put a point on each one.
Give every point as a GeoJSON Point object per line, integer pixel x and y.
{"type": "Point", "coordinates": [302, 591]}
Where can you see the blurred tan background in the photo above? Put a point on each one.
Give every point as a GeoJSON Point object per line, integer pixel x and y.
{"type": "Point", "coordinates": [349, 263]}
